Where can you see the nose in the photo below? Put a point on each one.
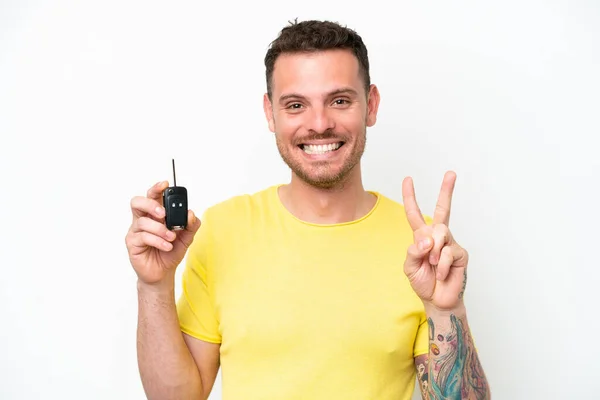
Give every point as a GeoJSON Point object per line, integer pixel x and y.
{"type": "Point", "coordinates": [320, 120]}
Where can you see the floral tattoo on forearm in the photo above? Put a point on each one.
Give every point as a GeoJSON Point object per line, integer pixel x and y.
{"type": "Point", "coordinates": [454, 371]}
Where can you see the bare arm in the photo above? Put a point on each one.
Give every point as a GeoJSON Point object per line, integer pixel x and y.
{"type": "Point", "coordinates": [171, 366]}
{"type": "Point", "coordinates": [452, 368]}
{"type": "Point", "coordinates": [436, 266]}
{"type": "Point", "coordinates": [169, 369]}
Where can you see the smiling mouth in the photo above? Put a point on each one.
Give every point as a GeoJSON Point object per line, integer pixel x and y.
{"type": "Point", "coordinates": [320, 148]}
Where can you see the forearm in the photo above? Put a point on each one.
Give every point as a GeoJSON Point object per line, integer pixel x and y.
{"type": "Point", "coordinates": [166, 366]}
{"type": "Point", "coordinates": [454, 370]}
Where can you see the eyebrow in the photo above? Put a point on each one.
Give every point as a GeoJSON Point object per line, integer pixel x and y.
{"type": "Point", "coordinates": [336, 92]}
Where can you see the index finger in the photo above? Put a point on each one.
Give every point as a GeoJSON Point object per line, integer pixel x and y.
{"type": "Point", "coordinates": [155, 192]}
{"type": "Point", "coordinates": [441, 214]}
{"type": "Point", "coordinates": [143, 206]}
{"type": "Point", "coordinates": [413, 213]}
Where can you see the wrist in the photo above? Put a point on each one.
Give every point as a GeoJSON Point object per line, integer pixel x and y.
{"type": "Point", "coordinates": [434, 312]}
{"type": "Point", "coordinates": [165, 286]}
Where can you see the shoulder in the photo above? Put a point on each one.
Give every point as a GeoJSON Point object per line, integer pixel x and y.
{"type": "Point", "coordinates": [394, 209]}
{"type": "Point", "coordinates": [240, 207]}
{"type": "Point", "coordinates": [228, 220]}
{"type": "Point", "coordinates": [389, 204]}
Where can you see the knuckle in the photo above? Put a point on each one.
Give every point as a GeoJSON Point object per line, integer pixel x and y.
{"type": "Point", "coordinates": [411, 212]}
{"type": "Point", "coordinates": [148, 224]}
{"type": "Point", "coordinates": [425, 230]}
{"type": "Point", "coordinates": [442, 229]}
{"type": "Point", "coordinates": [139, 203]}
{"type": "Point", "coordinates": [441, 232]}
{"type": "Point", "coordinates": [143, 238]}
{"type": "Point", "coordinates": [153, 191]}
{"type": "Point", "coordinates": [128, 239]}
{"type": "Point", "coordinates": [148, 238]}
{"type": "Point", "coordinates": [142, 223]}
{"type": "Point", "coordinates": [412, 250]}
{"type": "Point", "coordinates": [440, 208]}
{"type": "Point", "coordinates": [155, 240]}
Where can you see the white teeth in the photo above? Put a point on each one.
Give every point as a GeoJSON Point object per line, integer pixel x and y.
{"type": "Point", "coordinates": [320, 148]}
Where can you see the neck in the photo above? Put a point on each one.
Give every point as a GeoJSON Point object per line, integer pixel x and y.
{"type": "Point", "coordinates": [345, 202]}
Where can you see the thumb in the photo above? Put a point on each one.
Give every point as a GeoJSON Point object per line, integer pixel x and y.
{"type": "Point", "coordinates": [187, 236]}
{"type": "Point", "coordinates": [415, 255]}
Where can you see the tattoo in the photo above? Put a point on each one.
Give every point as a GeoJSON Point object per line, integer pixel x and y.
{"type": "Point", "coordinates": [454, 369]}
{"type": "Point", "coordinates": [422, 364]}
{"type": "Point", "coordinates": [462, 292]}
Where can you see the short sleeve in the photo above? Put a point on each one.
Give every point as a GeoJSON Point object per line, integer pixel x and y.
{"type": "Point", "coordinates": [422, 340]}
{"type": "Point", "coordinates": [195, 306]}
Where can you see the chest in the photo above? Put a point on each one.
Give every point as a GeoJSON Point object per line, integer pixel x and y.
{"type": "Point", "coordinates": [344, 300]}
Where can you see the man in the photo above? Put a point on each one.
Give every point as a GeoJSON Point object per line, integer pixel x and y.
{"type": "Point", "coordinates": [316, 289]}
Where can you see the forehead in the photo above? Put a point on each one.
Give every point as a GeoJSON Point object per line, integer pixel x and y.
{"type": "Point", "coordinates": [315, 72]}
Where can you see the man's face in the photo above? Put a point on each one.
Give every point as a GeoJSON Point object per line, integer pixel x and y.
{"type": "Point", "coordinates": [320, 113]}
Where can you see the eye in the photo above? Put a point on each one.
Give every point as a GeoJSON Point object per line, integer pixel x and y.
{"type": "Point", "coordinates": [341, 102]}
{"type": "Point", "coordinates": [294, 106]}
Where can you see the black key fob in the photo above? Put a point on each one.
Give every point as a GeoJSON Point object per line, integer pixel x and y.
{"type": "Point", "coordinates": [175, 202]}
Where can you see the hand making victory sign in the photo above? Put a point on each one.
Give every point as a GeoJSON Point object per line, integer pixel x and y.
{"type": "Point", "coordinates": [435, 264]}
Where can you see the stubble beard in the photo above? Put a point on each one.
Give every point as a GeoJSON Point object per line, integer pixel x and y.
{"type": "Point", "coordinates": [319, 174]}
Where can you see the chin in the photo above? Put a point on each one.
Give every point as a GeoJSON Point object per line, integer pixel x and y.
{"type": "Point", "coordinates": [322, 182]}
{"type": "Point", "coordinates": [323, 176]}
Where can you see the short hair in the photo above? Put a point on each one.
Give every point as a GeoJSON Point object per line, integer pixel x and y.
{"type": "Point", "coordinates": [314, 36]}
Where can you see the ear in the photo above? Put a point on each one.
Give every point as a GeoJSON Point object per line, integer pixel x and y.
{"type": "Point", "coordinates": [268, 109]}
{"type": "Point", "coordinates": [372, 105]}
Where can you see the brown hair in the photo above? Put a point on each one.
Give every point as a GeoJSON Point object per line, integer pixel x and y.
{"type": "Point", "coordinates": [311, 36]}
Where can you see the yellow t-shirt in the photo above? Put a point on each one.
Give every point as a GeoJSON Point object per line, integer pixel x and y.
{"type": "Point", "coordinates": [304, 311]}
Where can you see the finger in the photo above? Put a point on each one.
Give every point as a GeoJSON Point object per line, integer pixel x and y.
{"type": "Point", "coordinates": [413, 213]}
{"type": "Point", "coordinates": [415, 255]}
{"type": "Point", "coordinates": [441, 237]}
{"type": "Point", "coordinates": [145, 224]}
{"type": "Point", "coordinates": [445, 262]}
{"type": "Point", "coordinates": [141, 206]}
{"type": "Point", "coordinates": [451, 256]}
{"type": "Point", "coordinates": [140, 241]}
{"type": "Point", "coordinates": [155, 192]}
{"type": "Point", "coordinates": [193, 224]}
{"type": "Point", "coordinates": [441, 214]}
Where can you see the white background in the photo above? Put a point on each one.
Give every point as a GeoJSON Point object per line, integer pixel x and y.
{"type": "Point", "coordinates": [97, 97]}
